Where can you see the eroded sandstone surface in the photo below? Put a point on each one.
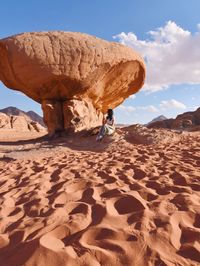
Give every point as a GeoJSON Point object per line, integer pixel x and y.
{"type": "Point", "coordinates": [19, 123]}
{"type": "Point", "coordinates": [76, 77]}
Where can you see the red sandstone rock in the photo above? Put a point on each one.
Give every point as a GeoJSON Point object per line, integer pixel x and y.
{"type": "Point", "coordinates": [66, 68]}
{"type": "Point", "coordinates": [188, 120]}
{"type": "Point", "coordinates": [19, 123]}
{"type": "Point", "coordinates": [5, 121]}
{"type": "Point", "coordinates": [80, 115]}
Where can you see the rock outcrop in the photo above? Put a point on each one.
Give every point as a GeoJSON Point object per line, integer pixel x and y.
{"type": "Point", "coordinates": [19, 123]}
{"type": "Point", "coordinates": [188, 120]}
{"type": "Point", "coordinates": [30, 115]}
{"type": "Point", "coordinates": [76, 77]}
{"type": "Point", "coordinates": [5, 121]}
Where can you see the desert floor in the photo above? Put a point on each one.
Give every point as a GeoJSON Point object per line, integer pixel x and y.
{"type": "Point", "coordinates": [124, 201]}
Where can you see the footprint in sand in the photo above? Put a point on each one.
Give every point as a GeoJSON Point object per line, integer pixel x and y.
{"type": "Point", "coordinates": [99, 238]}
{"type": "Point", "coordinates": [60, 199]}
{"type": "Point", "coordinates": [178, 179]}
{"type": "Point", "coordinates": [98, 213]}
{"type": "Point", "coordinates": [108, 179]}
{"type": "Point", "coordinates": [147, 196]}
{"type": "Point", "coordinates": [105, 233]}
{"type": "Point", "coordinates": [161, 189]}
{"type": "Point", "coordinates": [87, 196]}
{"type": "Point", "coordinates": [197, 221]}
{"type": "Point", "coordinates": [81, 208]}
{"type": "Point", "coordinates": [111, 193]}
{"type": "Point", "coordinates": [138, 174]}
{"type": "Point", "coordinates": [135, 217]}
{"type": "Point", "coordinates": [128, 204]}
{"type": "Point", "coordinates": [185, 201]}
{"type": "Point", "coordinates": [190, 247]}
{"type": "Point", "coordinates": [195, 186]}
{"type": "Point", "coordinates": [55, 188]}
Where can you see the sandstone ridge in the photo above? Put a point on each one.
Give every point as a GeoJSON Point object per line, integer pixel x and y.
{"type": "Point", "coordinates": [30, 115]}
{"type": "Point", "coordinates": [71, 74]}
{"type": "Point", "coordinates": [186, 121]}
{"type": "Point", "coordinates": [19, 123]}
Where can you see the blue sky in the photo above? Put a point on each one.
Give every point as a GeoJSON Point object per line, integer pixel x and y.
{"type": "Point", "coordinates": [166, 33]}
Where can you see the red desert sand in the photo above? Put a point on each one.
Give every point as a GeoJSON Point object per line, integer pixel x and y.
{"type": "Point", "coordinates": [132, 199]}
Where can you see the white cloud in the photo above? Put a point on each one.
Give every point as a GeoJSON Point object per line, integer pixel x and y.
{"type": "Point", "coordinates": [127, 108]}
{"type": "Point", "coordinates": [20, 93]}
{"type": "Point", "coordinates": [164, 105]}
{"type": "Point", "coordinates": [132, 96]}
{"type": "Point", "coordinates": [148, 108]}
{"type": "Point", "coordinates": [172, 104]}
{"type": "Point", "coordinates": [172, 55]}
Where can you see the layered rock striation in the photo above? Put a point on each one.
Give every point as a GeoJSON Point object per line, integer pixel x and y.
{"type": "Point", "coordinates": [76, 77]}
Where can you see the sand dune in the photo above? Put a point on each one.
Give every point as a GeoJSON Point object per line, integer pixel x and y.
{"type": "Point", "coordinates": [132, 199]}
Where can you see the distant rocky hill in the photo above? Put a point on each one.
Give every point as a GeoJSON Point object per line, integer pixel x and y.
{"type": "Point", "coordinates": [159, 118]}
{"type": "Point", "coordinates": [32, 116]}
{"type": "Point", "coordinates": [19, 123]}
{"type": "Point", "coordinates": [188, 120]}
{"type": "Point", "coordinates": [35, 117]}
{"type": "Point", "coordinates": [12, 118]}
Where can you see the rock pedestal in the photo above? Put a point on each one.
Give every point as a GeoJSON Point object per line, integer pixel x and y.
{"type": "Point", "coordinates": [70, 115]}
{"type": "Point", "coordinates": [80, 114]}
{"type": "Point", "coordinates": [52, 115]}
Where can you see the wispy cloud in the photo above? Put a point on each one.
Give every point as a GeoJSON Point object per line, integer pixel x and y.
{"type": "Point", "coordinates": [129, 108]}
{"type": "Point", "coordinates": [148, 108]}
{"type": "Point", "coordinates": [164, 105]}
{"type": "Point", "coordinates": [172, 104]}
{"type": "Point", "coordinates": [19, 93]}
{"type": "Point", "coordinates": [132, 96]}
{"type": "Point", "coordinates": [172, 55]}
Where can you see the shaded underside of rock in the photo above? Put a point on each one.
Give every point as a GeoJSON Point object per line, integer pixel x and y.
{"type": "Point", "coordinates": [64, 66]}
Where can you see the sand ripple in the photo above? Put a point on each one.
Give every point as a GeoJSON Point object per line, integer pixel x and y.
{"type": "Point", "coordinates": [119, 203]}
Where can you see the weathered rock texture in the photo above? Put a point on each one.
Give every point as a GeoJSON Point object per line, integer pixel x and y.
{"type": "Point", "coordinates": [72, 75]}
{"type": "Point", "coordinates": [189, 121]}
{"type": "Point", "coordinates": [19, 123]}
{"type": "Point", "coordinates": [30, 115]}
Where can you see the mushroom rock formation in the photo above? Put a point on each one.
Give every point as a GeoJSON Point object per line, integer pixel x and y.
{"type": "Point", "coordinates": [76, 77]}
